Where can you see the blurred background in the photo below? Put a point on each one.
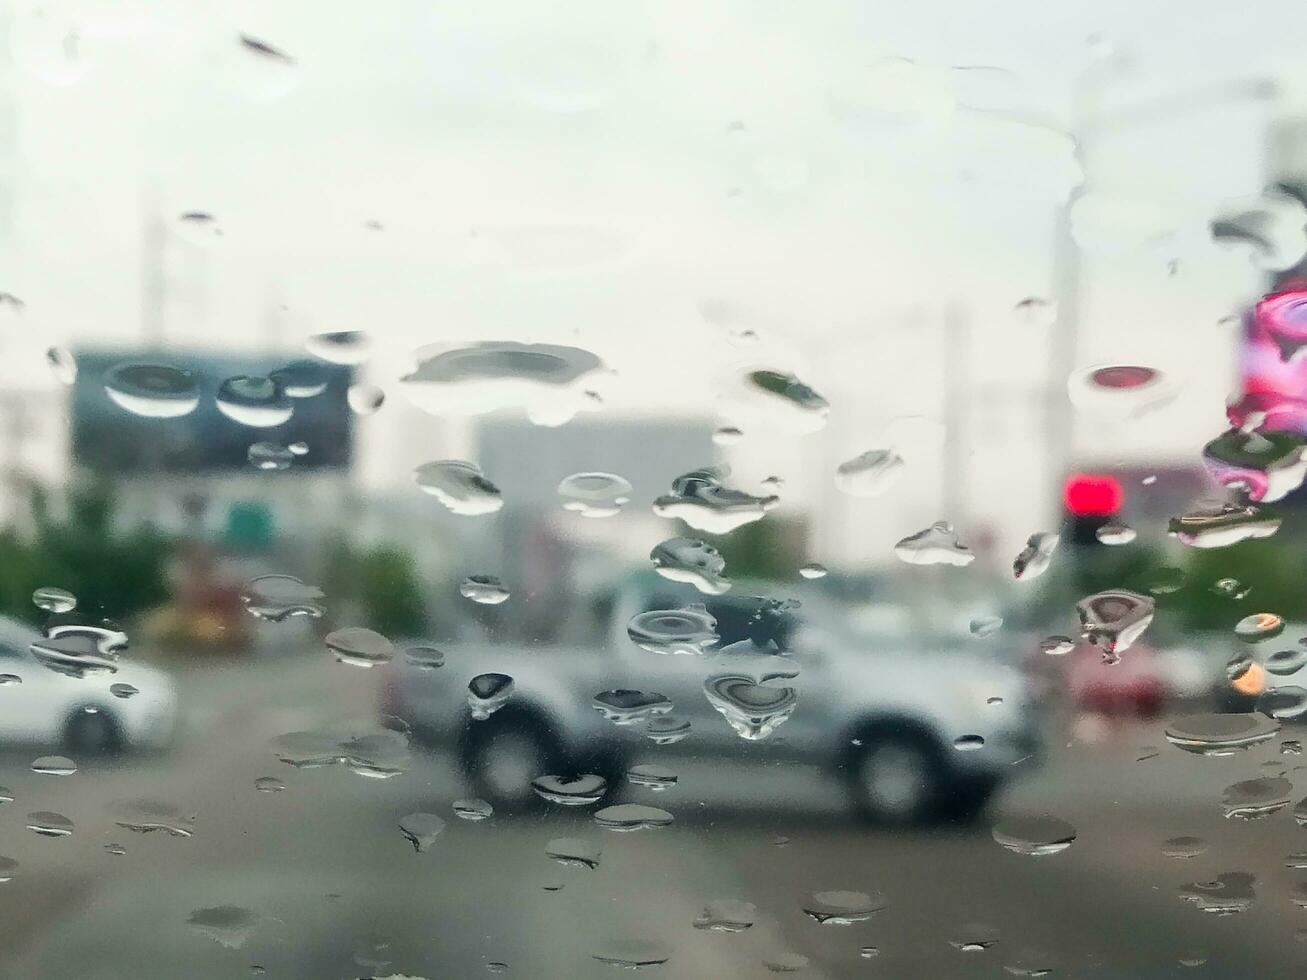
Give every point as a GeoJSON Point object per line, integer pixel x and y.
{"type": "Point", "coordinates": [941, 223]}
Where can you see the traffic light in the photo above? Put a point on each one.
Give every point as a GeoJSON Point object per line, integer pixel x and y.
{"type": "Point", "coordinates": [1091, 502]}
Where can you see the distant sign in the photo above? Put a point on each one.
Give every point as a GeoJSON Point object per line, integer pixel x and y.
{"type": "Point", "coordinates": [109, 439]}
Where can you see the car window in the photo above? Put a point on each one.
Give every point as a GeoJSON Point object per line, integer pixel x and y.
{"type": "Point", "coordinates": [588, 489]}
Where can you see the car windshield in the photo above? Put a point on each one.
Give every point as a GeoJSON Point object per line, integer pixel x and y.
{"type": "Point", "coordinates": [589, 489]}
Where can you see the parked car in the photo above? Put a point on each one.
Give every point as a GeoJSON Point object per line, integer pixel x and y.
{"type": "Point", "coordinates": [914, 725]}
{"type": "Point", "coordinates": [81, 714]}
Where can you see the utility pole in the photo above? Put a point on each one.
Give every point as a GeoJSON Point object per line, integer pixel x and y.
{"type": "Point", "coordinates": [153, 276]}
{"type": "Point", "coordinates": [956, 359]}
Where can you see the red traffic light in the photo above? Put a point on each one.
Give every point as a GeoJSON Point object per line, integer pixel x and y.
{"type": "Point", "coordinates": [1092, 496]}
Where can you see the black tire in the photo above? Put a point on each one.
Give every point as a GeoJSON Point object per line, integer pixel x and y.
{"type": "Point", "coordinates": [501, 755]}
{"type": "Point", "coordinates": [898, 777]}
{"type": "Point", "coordinates": [93, 731]}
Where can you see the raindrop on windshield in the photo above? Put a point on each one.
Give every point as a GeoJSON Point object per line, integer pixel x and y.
{"type": "Point", "coordinates": [1113, 620]}
{"type": "Point", "coordinates": [269, 784]}
{"type": "Point", "coordinates": [1115, 534]}
{"type": "Point", "coordinates": [1225, 895]}
{"type": "Point", "coordinates": [1119, 392]}
{"type": "Point", "coordinates": [79, 650]}
{"type": "Point", "coordinates": [1184, 847]}
{"type": "Point", "coordinates": [257, 402]}
{"type": "Point", "coordinates": [123, 691]}
{"type": "Point", "coordinates": [49, 824]}
{"type": "Point", "coordinates": [693, 561]}
{"type": "Point", "coordinates": [582, 790]}
{"type": "Point", "coordinates": [484, 589]}
{"type": "Point", "coordinates": [54, 600]}
{"type": "Point", "coordinates": [54, 765]}
{"type": "Point", "coordinates": [632, 954]}
{"type": "Point", "coordinates": [1037, 836]}
{"type": "Point", "coordinates": [1231, 588]}
{"type": "Point", "coordinates": [1254, 798]}
{"type": "Point", "coordinates": [1264, 466]}
{"type": "Point", "coordinates": [227, 925]}
{"type": "Point", "coordinates": [472, 810]}
{"type": "Point", "coordinates": [666, 729]}
{"type": "Point", "coordinates": [152, 390]}
{"type": "Point", "coordinates": [594, 494]}
{"type": "Point", "coordinates": [689, 631]}
{"type": "Point", "coordinates": [421, 829]}
{"type": "Point", "coordinates": [364, 399]}
{"type": "Point", "coordinates": [975, 937]}
{"type": "Point", "coordinates": [350, 347]}
{"type": "Point", "coordinates": [1283, 702]}
{"type": "Point", "coordinates": [813, 570]}
{"type": "Point", "coordinates": [727, 915]}
{"type": "Point", "coordinates": [727, 435]}
{"type": "Point", "coordinates": [652, 777]}
{"type": "Point", "coordinates": [487, 693]}
{"type": "Point", "coordinates": [270, 456]}
{"type": "Point", "coordinates": [632, 816]}
{"type": "Point", "coordinates": [1036, 556]}
{"type": "Point", "coordinates": [1220, 734]}
{"type": "Point", "coordinates": [627, 707]}
{"type": "Point", "coordinates": [937, 545]}
{"type": "Point", "coordinates": [460, 486]}
{"type": "Point", "coordinates": [869, 474]}
{"type": "Point", "coordinates": [1284, 662]}
{"type": "Point", "coordinates": [62, 364]}
{"type": "Point", "coordinates": [753, 710]}
{"type": "Point", "coordinates": [701, 500]}
{"type": "Point", "coordinates": [359, 647]}
{"type": "Point", "coordinates": [1057, 646]}
{"type": "Point", "coordinates": [279, 597]}
{"type": "Point", "coordinates": [573, 852]}
{"type": "Point", "coordinates": [424, 657]}
{"type": "Point", "coordinates": [969, 743]}
{"type": "Point", "coordinates": [1222, 526]}
{"type": "Point", "coordinates": [300, 379]}
{"type": "Point", "coordinates": [842, 908]}
{"type": "Point", "coordinates": [1259, 626]}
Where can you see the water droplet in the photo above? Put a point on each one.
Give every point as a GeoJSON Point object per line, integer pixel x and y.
{"type": "Point", "coordinates": [1057, 646]}
{"type": "Point", "coordinates": [1219, 527]}
{"type": "Point", "coordinates": [1036, 312]}
{"type": "Point", "coordinates": [727, 915]}
{"type": "Point", "coordinates": [1039, 836]}
{"type": "Point", "coordinates": [365, 399]}
{"type": "Point", "coordinates": [753, 710]}
{"type": "Point", "coordinates": [359, 647]}
{"type": "Point", "coordinates": [1259, 626]}
{"type": "Point", "coordinates": [632, 816]}
{"type": "Point", "coordinates": [772, 399]}
{"type": "Point", "coordinates": [1166, 580]}
{"type": "Point", "coordinates": [1284, 662]}
{"type": "Point", "coordinates": [487, 693]}
{"type": "Point", "coordinates": [701, 500]}
{"type": "Point", "coordinates": [1036, 556]}
{"type": "Point", "coordinates": [632, 954]}
{"type": "Point", "coordinates": [689, 631]}
{"type": "Point", "coordinates": [49, 824]}
{"type": "Point", "coordinates": [254, 401]}
{"type": "Point", "coordinates": [666, 729]}
{"type": "Point", "coordinates": [1119, 392]}
{"type": "Point", "coordinates": [1270, 226]}
{"type": "Point", "coordinates": [573, 852]}
{"type": "Point", "coordinates": [1238, 665]}
{"type": "Point", "coordinates": [1032, 963]}
{"type": "Point", "coordinates": [1265, 466]}
{"type": "Point", "coordinates": [582, 790]}
{"type": "Point", "coordinates": [473, 810]}
{"type": "Point", "coordinates": [785, 962]}
{"type": "Point", "coordinates": [549, 382]}
{"type": "Point", "coordinates": [626, 707]}
{"type": "Point", "coordinates": [270, 456]}
{"type": "Point", "coordinates": [148, 816]}
{"type": "Point", "coordinates": [6, 795]}
{"type": "Point", "coordinates": [299, 448]}
{"type": "Point", "coordinates": [276, 598]}
{"type": "Point", "coordinates": [54, 600]}
{"type": "Point", "coordinates": [227, 925]}
{"type": "Point", "coordinates": [1291, 746]}
{"type": "Point", "coordinates": [986, 626]}
{"type": "Point", "coordinates": [79, 650]}
{"type": "Point", "coordinates": [1283, 702]}
{"type": "Point", "coordinates": [484, 589]}
{"type": "Point", "coordinates": [1254, 798]}
{"type": "Point", "coordinates": [1231, 588]}
{"type": "Point", "coordinates": [152, 390]}
{"type": "Point", "coordinates": [869, 474]}
{"type": "Point", "coordinates": [1297, 860]}
{"type": "Point", "coordinates": [1227, 894]}
{"type": "Point", "coordinates": [1114, 534]}
{"type": "Point", "coordinates": [421, 829]}
{"type": "Point", "coordinates": [937, 545]}
{"type": "Point", "coordinates": [349, 347]}
{"type": "Point", "coordinates": [363, 748]}
{"type": "Point", "coordinates": [594, 494]}
{"type": "Point", "coordinates": [995, 700]}
{"type": "Point", "coordinates": [62, 364]}
{"type": "Point", "coordinates": [969, 743]}
{"type": "Point", "coordinates": [424, 657]}
{"type": "Point", "coordinates": [842, 908]}
{"type": "Point", "coordinates": [123, 691]}
{"type": "Point", "coordinates": [1114, 619]}
{"type": "Point", "coordinates": [693, 561]}
{"type": "Point", "coordinates": [650, 776]}
{"type": "Point", "coordinates": [975, 937]}
{"type": "Point", "coordinates": [460, 486]}
{"type": "Point", "coordinates": [54, 765]}
{"type": "Point", "coordinates": [1220, 734]}
{"type": "Point", "coordinates": [269, 784]}
{"type": "Point", "coordinates": [300, 379]}
{"type": "Point", "coordinates": [813, 570]}
{"type": "Point", "coordinates": [1184, 847]}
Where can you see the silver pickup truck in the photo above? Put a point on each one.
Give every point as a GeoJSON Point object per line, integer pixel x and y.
{"type": "Point", "coordinates": [914, 726]}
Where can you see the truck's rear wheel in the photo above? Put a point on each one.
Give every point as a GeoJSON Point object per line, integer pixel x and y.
{"type": "Point", "coordinates": [502, 754]}
{"type": "Point", "coordinates": [897, 778]}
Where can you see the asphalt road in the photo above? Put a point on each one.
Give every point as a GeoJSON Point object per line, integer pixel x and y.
{"type": "Point", "coordinates": [337, 891]}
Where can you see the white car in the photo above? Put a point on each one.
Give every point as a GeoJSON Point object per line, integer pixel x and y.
{"type": "Point", "coordinates": [82, 713]}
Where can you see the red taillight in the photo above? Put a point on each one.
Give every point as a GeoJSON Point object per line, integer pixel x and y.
{"type": "Point", "coordinates": [1092, 496]}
